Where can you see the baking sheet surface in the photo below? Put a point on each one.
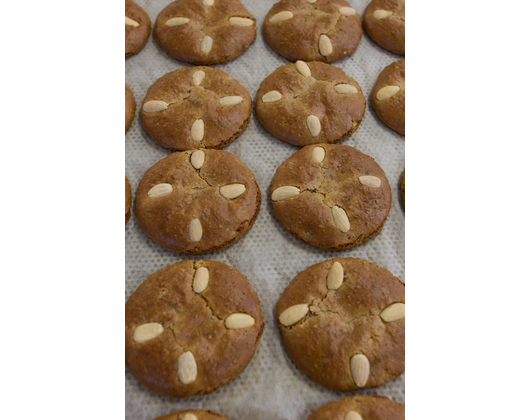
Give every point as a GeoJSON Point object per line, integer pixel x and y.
{"type": "Point", "coordinates": [271, 387]}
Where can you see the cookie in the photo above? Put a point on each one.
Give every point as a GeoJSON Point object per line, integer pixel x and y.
{"type": "Point", "coordinates": [311, 30]}
{"type": "Point", "coordinates": [197, 201]}
{"type": "Point", "coordinates": [388, 96]}
{"type": "Point", "coordinates": [128, 200]}
{"type": "Point", "coordinates": [137, 28]}
{"type": "Point", "coordinates": [191, 328]}
{"type": "Point", "coordinates": [195, 107]}
{"type": "Point", "coordinates": [402, 185]}
{"type": "Point", "coordinates": [205, 31]}
{"type": "Point", "coordinates": [130, 107]}
{"type": "Point", "coordinates": [331, 196]}
{"type": "Point", "coordinates": [193, 415]}
{"type": "Point", "coordinates": [342, 322]}
{"type": "Point", "coordinates": [309, 103]}
{"type": "Point", "coordinates": [360, 407]}
{"type": "Point", "coordinates": [384, 22]}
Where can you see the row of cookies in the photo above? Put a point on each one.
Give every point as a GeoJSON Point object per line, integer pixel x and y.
{"type": "Point", "coordinates": [194, 326]}
{"type": "Point", "coordinates": [301, 104]}
{"type": "Point", "coordinates": [367, 407]}
{"type": "Point", "coordinates": [214, 31]}
{"type": "Point", "coordinates": [330, 196]}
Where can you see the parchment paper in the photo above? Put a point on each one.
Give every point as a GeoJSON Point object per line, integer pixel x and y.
{"type": "Point", "coordinates": [271, 387]}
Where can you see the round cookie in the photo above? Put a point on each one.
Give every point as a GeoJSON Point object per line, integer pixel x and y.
{"type": "Point", "coordinates": [195, 107]}
{"type": "Point", "coordinates": [342, 322]}
{"type": "Point", "coordinates": [384, 22]}
{"type": "Point", "coordinates": [388, 96]}
{"type": "Point", "coordinates": [191, 328]}
{"type": "Point", "coordinates": [197, 202]}
{"type": "Point", "coordinates": [128, 200]}
{"type": "Point", "coordinates": [311, 30]}
{"type": "Point", "coordinates": [205, 31]}
{"type": "Point", "coordinates": [402, 185]}
{"type": "Point", "coordinates": [360, 407]}
{"type": "Point", "coordinates": [137, 28]}
{"type": "Point", "coordinates": [193, 415]}
{"type": "Point", "coordinates": [130, 107]}
{"type": "Point", "coordinates": [331, 196]}
{"type": "Point", "coordinates": [309, 103]}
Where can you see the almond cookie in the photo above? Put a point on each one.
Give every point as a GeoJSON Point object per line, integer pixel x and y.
{"type": "Point", "coordinates": [193, 415]}
{"type": "Point", "coordinates": [137, 28]}
{"type": "Point", "coordinates": [309, 103]}
{"type": "Point", "coordinates": [388, 96]}
{"type": "Point", "coordinates": [205, 31]}
{"type": "Point", "coordinates": [128, 200]}
{"type": "Point", "coordinates": [191, 328]}
{"type": "Point", "coordinates": [130, 107]}
{"type": "Point", "coordinates": [360, 407]}
{"type": "Point", "coordinates": [331, 196]}
{"type": "Point", "coordinates": [313, 30]}
{"type": "Point", "coordinates": [197, 201]}
{"type": "Point", "coordinates": [195, 107]}
{"type": "Point", "coordinates": [343, 324]}
{"type": "Point", "coordinates": [384, 22]}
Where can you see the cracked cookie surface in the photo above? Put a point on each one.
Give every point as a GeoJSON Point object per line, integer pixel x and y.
{"type": "Point", "coordinates": [183, 206]}
{"type": "Point", "coordinates": [346, 324]}
{"type": "Point", "coordinates": [195, 107]}
{"type": "Point", "coordinates": [137, 28]}
{"type": "Point", "coordinates": [190, 322]}
{"type": "Point", "coordinates": [339, 197]}
{"type": "Point", "coordinates": [384, 22]}
{"type": "Point", "coordinates": [322, 30]}
{"type": "Point", "coordinates": [205, 31]}
{"type": "Point", "coordinates": [364, 407]}
{"type": "Point", "coordinates": [310, 103]}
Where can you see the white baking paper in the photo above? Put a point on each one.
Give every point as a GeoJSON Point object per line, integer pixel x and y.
{"type": "Point", "coordinates": [271, 387]}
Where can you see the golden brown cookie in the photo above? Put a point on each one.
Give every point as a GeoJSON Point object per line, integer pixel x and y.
{"type": "Point", "coordinates": [130, 107]}
{"type": "Point", "coordinates": [191, 328]}
{"type": "Point", "coordinates": [137, 28]}
{"type": "Point", "coordinates": [331, 196]}
{"type": "Point", "coordinates": [343, 324]}
{"type": "Point", "coordinates": [193, 415]}
{"type": "Point", "coordinates": [388, 96]}
{"type": "Point", "coordinates": [205, 31]}
{"type": "Point", "coordinates": [311, 30]}
{"type": "Point", "coordinates": [402, 185]}
{"type": "Point", "coordinates": [128, 200]}
{"type": "Point", "coordinates": [196, 107]}
{"type": "Point", "coordinates": [197, 202]}
{"type": "Point", "coordinates": [360, 407]}
{"type": "Point", "coordinates": [384, 22]}
{"type": "Point", "coordinates": [309, 103]}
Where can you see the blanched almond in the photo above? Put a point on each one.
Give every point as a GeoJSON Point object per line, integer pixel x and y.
{"type": "Point", "coordinates": [239, 21]}
{"type": "Point", "coordinates": [347, 11]}
{"type": "Point", "coordinates": [187, 368]}
{"type": "Point", "coordinates": [341, 219]}
{"type": "Point", "coordinates": [387, 92]}
{"type": "Point", "coordinates": [147, 332]}
{"type": "Point", "coordinates": [345, 89]}
{"type": "Point", "coordinates": [303, 68]}
{"type": "Point", "coordinates": [324, 45]}
{"type": "Point", "coordinates": [230, 100]}
{"type": "Point", "coordinates": [208, 2]}
{"type": "Point", "coordinates": [381, 14]}
{"type": "Point", "coordinates": [190, 416]}
{"type": "Point", "coordinates": [232, 191]}
{"type": "Point", "coordinates": [283, 193]}
{"type": "Point", "coordinates": [293, 314]}
{"type": "Point", "coordinates": [318, 154]}
{"type": "Point", "coordinates": [155, 106]}
{"type": "Point", "coordinates": [177, 21]}
{"type": "Point", "coordinates": [206, 44]}
{"type": "Point", "coordinates": [237, 321]}
{"type": "Point", "coordinates": [160, 190]}
{"type": "Point", "coordinates": [370, 181]}
{"type": "Point", "coordinates": [197, 130]}
{"type": "Point", "coordinates": [131, 22]}
{"type": "Point", "coordinates": [272, 96]}
{"type": "Point", "coordinates": [197, 159]}
{"type": "Point", "coordinates": [313, 124]}
{"type": "Point", "coordinates": [198, 77]}
{"type": "Point", "coordinates": [335, 276]}
{"type": "Point", "coordinates": [195, 230]}
{"type": "Point", "coordinates": [280, 17]}
{"type": "Point", "coordinates": [201, 279]}
{"type": "Point", "coordinates": [360, 369]}
{"type": "Point", "coordinates": [393, 312]}
{"type": "Point", "coordinates": [350, 415]}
